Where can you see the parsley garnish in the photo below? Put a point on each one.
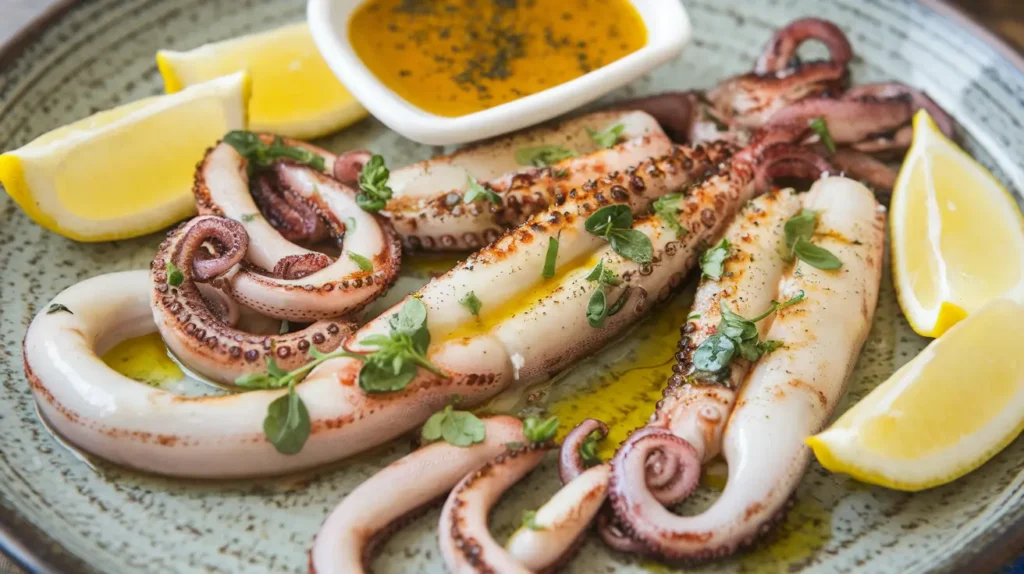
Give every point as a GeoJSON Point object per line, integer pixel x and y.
{"type": "Point", "coordinates": [598, 309]}
{"type": "Point", "coordinates": [799, 230]}
{"type": "Point", "coordinates": [588, 449]}
{"type": "Point", "coordinates": [374, 192]}
{"type": "Point", "coordinates": [530, 520]}
{"type": "Point", "coordinates": [551, 257]}
{"type": "Point", "coordinates": [608, 137]}
{"type": "Point", "coordinates": [471, 302]}
{"type": "Point", "coordinates": [736, 335]}
{"type": "Point", "coordinates": [820, 127]}
{"type": "Point", "coordinates": [261, 156]}
{"type": "Point", "coordinates": [393, 365]}
{"type": "Point", "coordinates": [363, 263]}
{"type": "Point", "coordinates": [287, 422]}
{"type": "Point", "coordinates": [174, 275]}
{"type": "Point", "coordinates": [543, 155]}
{"type": "Point", "coordinates": [458, 428]}
{"type": "Point", "coordinates": [477, 192]}
{"type": "Point", "coordinates": [615, 224]}
{"type": "Point", "coordinates": [248, 217]}
{"type": "Point", "coordinates": [536, 430]}
{"type": "Point", "coordinates": [667, 207]}
{"type": "Point", "coordinates": [603, 275]}
{"type": "Point", "coordinates": [712, 261]}
{"type": "Point", "coordinates": [57, 308]}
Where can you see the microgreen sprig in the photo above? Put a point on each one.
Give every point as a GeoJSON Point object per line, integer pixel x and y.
{"type": "Point", "coordinates": [260, 155]}
{"type": "Point", "coordinates": [458, 428]}
{"type": "Point", "coordinates": [374, 192]}
{"type": "Point", "coordinates": [615, 224]}
{"type": "Point", "coordinates": [799, 230]}
{"type": "Point", "coordinates": [607, 137]}
{"type": "Point", "coordinates": [543, 155]}
{"type": "Point", "coordinates": [667, 207]}
{"type": "Point", "coordinates": [399, 353]}
{"type": "Point", "coordinates": [712, 261]}
{"type": "Point", "coordinates": [736, 336]}
{"type": "Point", "coordinates": [475, 191]}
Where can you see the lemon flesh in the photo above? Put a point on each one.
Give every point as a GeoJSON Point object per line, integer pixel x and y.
{"type": "Point", "coordinates": [957, 233]}
{"type": "Point", "coordinates": [941, 415]}
{"type": "Point", "coordinates": [294, 92]}
{"type": "Point", "coordinates": [124, 172]}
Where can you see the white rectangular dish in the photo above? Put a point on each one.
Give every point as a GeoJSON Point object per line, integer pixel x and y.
{"type": "Point", "coordinates": [668, 31]}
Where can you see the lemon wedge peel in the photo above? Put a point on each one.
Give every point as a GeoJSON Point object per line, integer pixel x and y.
{"type": "Point", "coordinates": [971, 420]}
{"type": "Point", "coordinates": [927, 290]}
{"type": "Point", "coordinates": [88, 181]}
{"type": "Point", "coordinates": [295, 93]}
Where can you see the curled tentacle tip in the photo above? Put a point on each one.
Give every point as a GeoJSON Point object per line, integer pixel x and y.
{"type": "Point", "coordinates": [789, 160]}
{"type": "Point", "coordinates": [780, 52]}
{"type": "Point", "coordinates": [349, 165]}
{"type": "Point", "coordinates": [659, 461]}
{"type": "Point", "coordinates": [299, 266]}
{"type": "Point", "coordinates": [570, 459]}
{"type": "Point", "coordinates": [227, 238]}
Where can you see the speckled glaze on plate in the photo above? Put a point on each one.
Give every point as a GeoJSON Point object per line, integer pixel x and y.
{"type": "Point", "coordinates": [59, 515]}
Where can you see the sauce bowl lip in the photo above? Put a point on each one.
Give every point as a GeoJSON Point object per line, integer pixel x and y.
{"type": "Point", "coordinates": [668, 31]}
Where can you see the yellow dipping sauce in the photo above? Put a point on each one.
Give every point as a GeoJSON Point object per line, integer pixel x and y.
{"type": "Point", "coordinates": [456, 57]}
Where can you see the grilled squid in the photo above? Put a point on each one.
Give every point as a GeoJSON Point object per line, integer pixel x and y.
{"type": "Point", "coordinates": [527, 171]}
{"type": "Point", "coordinates": [371, 512]}
{"type": "Point", "coordinates": [277, 277]}
{"type": "Point", "coordinates": [789, 394]}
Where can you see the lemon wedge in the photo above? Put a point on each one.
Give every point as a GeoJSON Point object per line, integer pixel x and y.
{"type": "Point", "coordinates": [941, 415]}
{"type": "Point", "coordinates": [957, 233]}
{"type": "Point", "coordinates": [294, 92]}
{"type": "Point", "coordinates": [124, 172]}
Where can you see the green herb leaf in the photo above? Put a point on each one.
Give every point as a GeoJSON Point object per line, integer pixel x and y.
{"type": "Point", "coordinates": [551, 258]}
{"type": "Point", "coordinates": [284, 328]}
{"type": "Point", "coordinates": [287, 423]}
{"type": "Point", "coordinates": [588, 449]}
{"type": "Point", "coordinates": [373, 184]}
{"type": "Point", "coordinates": [607, 138]}
{"type": "Point", "coordinates": [393, 365]}
{"type": "Point", "coordinates": [597, 308]}
{"type": "Point", "coordinates": [248, 217]}
{"type": "Point", "coordinates": [800, 225]}
{"type": "Point", "coordinates": [350, 224]}
{"type": "Point", "coordinates": [536, 430]}
{"type": "Point", "coordinates": [619, 303]}
{"type": "Point", "coordinates": [363, 263]}
{"type": "Point", "coordinates": [610, 217]}
{"type": "Point", "coordinates": [712, 261]}
{"type": "Point", "coordinates": [261, 156]}
{"type": "Point", "coordinates": [475, 191]}
{"type": "Point", "coordinates": [530, 520]}
{"type": "Point", "coordinates": [820, 127]}
{"type": "Point", "coordinates": [542, 156]}
{"type": "Point", "coordinates": [692, 316]}
{"type": "Point", "coordinates": [736, 335]}
{"type": "Point", "coordinates": [174, 275]}
{"type": "Point", "coordinates": [458, 428]}
{"type": "Point", "coordinates": [667, 207]}
{"type": "Point", "coordinates": [816, 256]}
{"type": "Point", "coordinates": [713, 356]}
{"type": "Point", "coordinates": [514, 445]}
{"type": "Point", "coordinates": [57, 308]}
{"type": "Point", "coordinates": [632, 244]}
{"type": "Point", "coordinates": [614, 223]}
{"type": "Point", "coordinates": [603, 275]}
{"type": "Point", "coordinates": [470, 301]}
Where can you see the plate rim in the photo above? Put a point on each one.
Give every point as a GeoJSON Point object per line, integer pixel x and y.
{"type": "Point", "coordinates": [34, 550]}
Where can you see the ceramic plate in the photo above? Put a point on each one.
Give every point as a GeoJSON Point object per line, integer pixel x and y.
{"type": "Point", "coordinates": [60, 514]}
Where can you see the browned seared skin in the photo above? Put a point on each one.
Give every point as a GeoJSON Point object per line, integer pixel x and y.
{"type": "Point", "coordinates": [529, 193]}
{"type": "Point", "coordinates": [197, 334]}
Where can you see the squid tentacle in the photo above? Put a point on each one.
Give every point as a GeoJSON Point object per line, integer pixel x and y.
{"type": "Point", "coordinates": [466, 542]}
{"type": "Point", "coordinates": [197, 333]}
{"type": "Point", "coordinates": [370, 513]}
{"type": "Point", "coordinates": [805, 379]}
{"type": "Point", "coordinates": [570, 461]}
{"type": "Point", "coordinates": [780, 52]}
{"type": "Point", "coordinates": [279, 278]}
